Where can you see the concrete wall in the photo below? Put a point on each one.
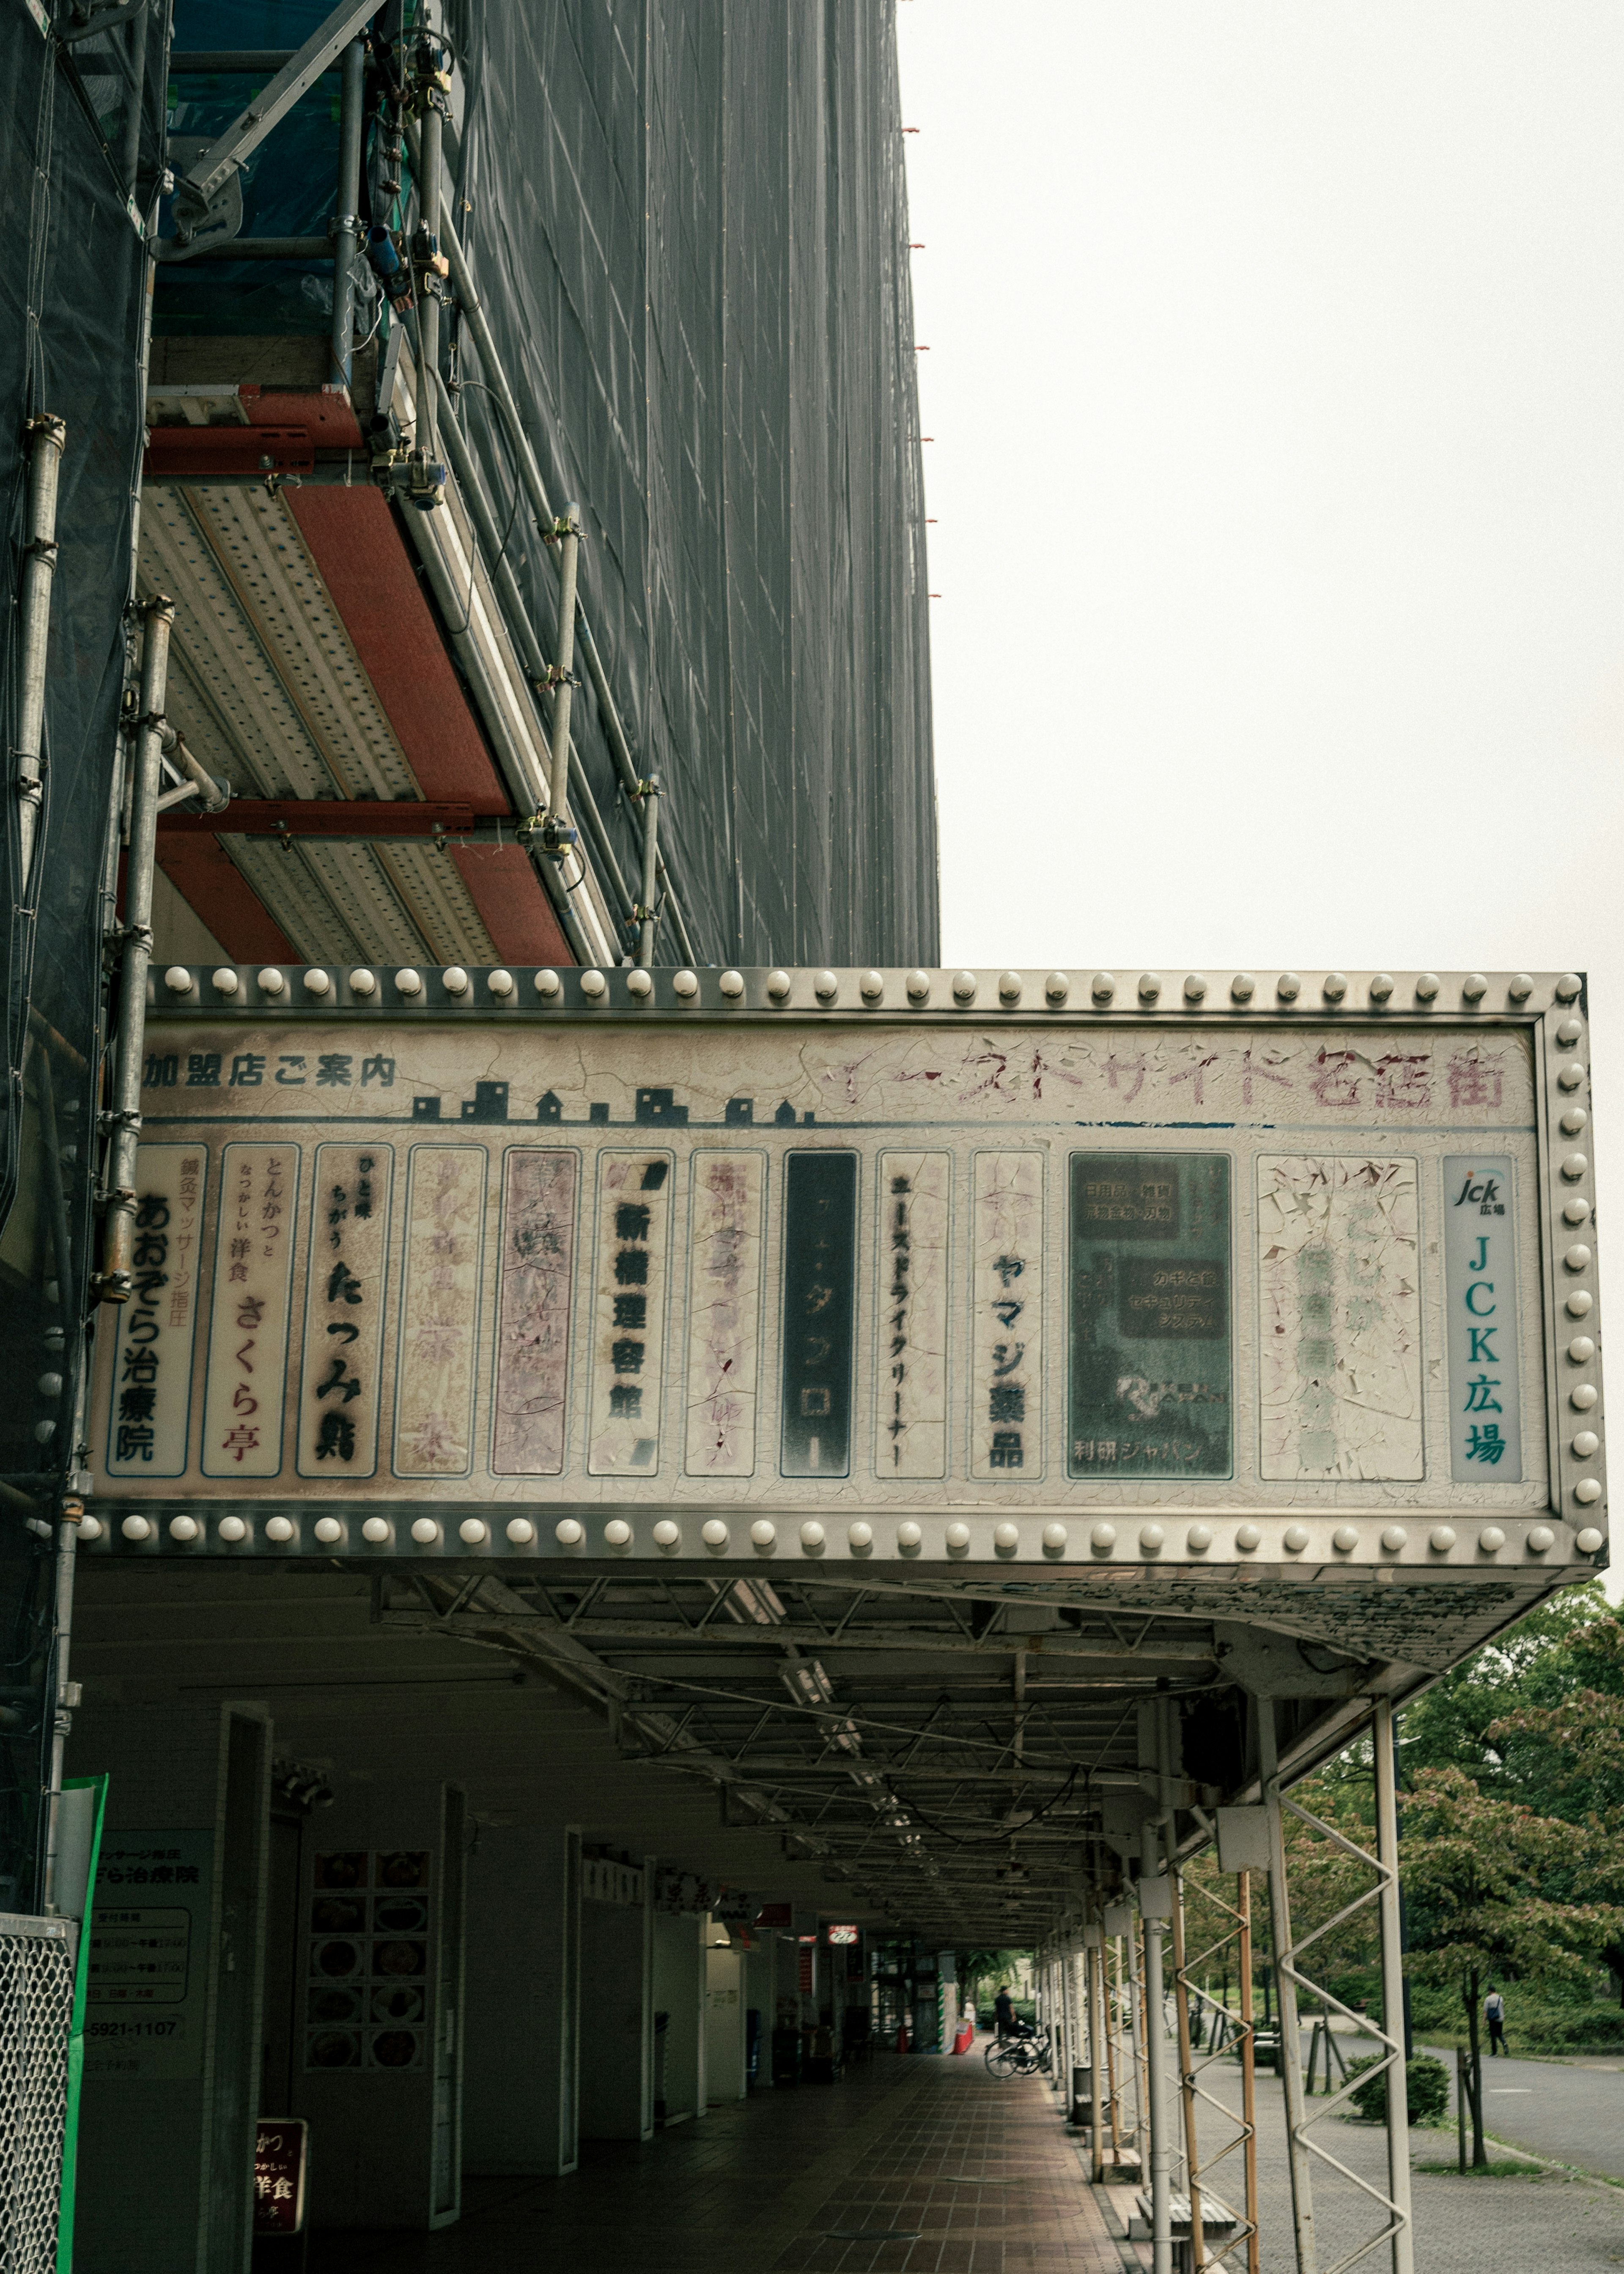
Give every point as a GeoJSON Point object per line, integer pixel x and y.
{"type": "Point", "coordinates": [617, 2010]}
{"type": "Point", "coordinates": [520, 2107]}
{"type": "Point", "coordinates": [679, 1992]}
{"type": "Point", "coordinates": [172, 2076]}
{"type": "Point", "coordinates": [725, 2075]}
{"type": "Point", "coordinates": [761, 1993]}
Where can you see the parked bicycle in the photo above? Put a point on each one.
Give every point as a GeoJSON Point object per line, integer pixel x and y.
{"type": "Point", "coordinates": [1024, 2053]}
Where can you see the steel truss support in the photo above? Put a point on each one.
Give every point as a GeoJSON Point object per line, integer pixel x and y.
{"type": "Point", "coordinates": [1239, 2035]}
{"type": "Point", "coordinates": [1134, 2022]}
{"type": "Point", "coordinates": [1290, 1978]}
{"type": "Point", "coordinates": [1099, 2051]}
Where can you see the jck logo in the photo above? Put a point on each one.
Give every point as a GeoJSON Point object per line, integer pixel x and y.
{"type": "Point", "coordinates": [1478, 1188]}
{"type": "Point", "coordinates": [1482, 1193]}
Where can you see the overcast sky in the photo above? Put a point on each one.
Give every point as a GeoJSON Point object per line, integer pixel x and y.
{"type": "Point", "coordinates": [1275, 379]}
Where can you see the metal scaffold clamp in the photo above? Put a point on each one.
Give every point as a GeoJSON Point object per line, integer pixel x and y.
{"type": "Point", "coordinates": [548, 833]}
{"type": "Point", "coordinates": [412, 476]}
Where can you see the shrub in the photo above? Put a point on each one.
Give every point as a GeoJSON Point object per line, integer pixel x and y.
{"type": "Point", "coordinates": [1590, 2029]}
{"type": "Point", "coordinates": [1427, 2083]}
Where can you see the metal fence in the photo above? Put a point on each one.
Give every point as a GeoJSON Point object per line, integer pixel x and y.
{"type": "Point", "coordinates": [36, 2016]}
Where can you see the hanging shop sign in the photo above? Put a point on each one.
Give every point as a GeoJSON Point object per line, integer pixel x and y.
{"type": "Point", "coordinates": [1015, 1268]}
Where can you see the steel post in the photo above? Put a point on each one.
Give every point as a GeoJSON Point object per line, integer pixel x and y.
{"type": "Point", "coordinates": [1393, 1989]}
{"type": "Point", "coordinates": [648, 919]}
{"type": "Point", "coordinates": [131, 155]}
{"type": "Point", "coordinates": [1158, 1861]}
{"type": "Point", "coordinates": [119, 1233]}
{"type": "Point", "coordinates": [1290, 2056]}
{"type": "Point", "coordinates": [1111, 1996]}
{"type": "Point", "coordinates": [1186, 2076]}
{"type": "Point", "coordinates": [1249, 2067]}
{"type": "Point", "coordinates": [558, 783]}
{"type": "Point", "coordinates": [431, 170]}
{"type": "Point", "coordinates": [46, 437]}
{"type": "Point", "coordinates": [1155, 2104]}
{"type": "Point", "coordinates": [62, 1721]}
{"type": "Point", "coordinates": [345, 223]}
{"type": "Point", "coordinates": [1099, 2055]}
{"type": "Point", "coordinates": [1136, 2023]}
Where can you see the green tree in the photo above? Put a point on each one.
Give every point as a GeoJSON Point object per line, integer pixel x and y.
{"type": "Point", "coordinates": [1474, 1870]}
{"type": "Point", "coordinates": [977, 1967]}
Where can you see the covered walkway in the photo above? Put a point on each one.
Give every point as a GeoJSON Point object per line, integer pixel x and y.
{"type": "Point", "coordinates": [921, 2164]}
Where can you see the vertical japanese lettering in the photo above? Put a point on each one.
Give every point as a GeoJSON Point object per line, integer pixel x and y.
{"type": "Point", "coordinates": [628, 1312]}
{"type": "Point", "coordinates": [438, 1343]}
{"type": "Point", "coordinates": [820, 1288]}
{"type": "Point", "coordinates": [1339, 1340]}
{"type": "Point", "coordinates": [344, 1302]}
{"type": "Point", "coordinates": [912, 1210]}
{"type": "Point", "coordinates": [537, 1267]}
{"type": "Point", "coordinates": [1480, 1287]}
{"type": "Point", "coordinates": [724, 1313]}
{"type": "Point", "coordinates": [1006, 1316]}
{"type": "Point", "coordinates": [151, 1390]}
{"type": "Point", "coordinates": [248, 1334]}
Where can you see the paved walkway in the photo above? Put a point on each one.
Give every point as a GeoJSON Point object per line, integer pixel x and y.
{"type": "Point", "coordinates": [919, 2164]}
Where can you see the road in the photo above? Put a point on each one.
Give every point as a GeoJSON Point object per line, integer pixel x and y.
{"type": "Point", "coordinates": [1573, 2113]}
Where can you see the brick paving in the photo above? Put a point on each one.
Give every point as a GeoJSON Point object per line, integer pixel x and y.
{"type": "Point", "coordinates": [915, 2165]}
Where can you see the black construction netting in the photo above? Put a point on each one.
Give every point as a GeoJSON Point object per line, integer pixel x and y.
{"type": "Point", "coordinates": [71, 320]}
{"type": "Point", "coordinates": [688, 226]}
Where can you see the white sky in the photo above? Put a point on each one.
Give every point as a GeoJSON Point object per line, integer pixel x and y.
{"type": "Point", "coordinates": [1276, 384]}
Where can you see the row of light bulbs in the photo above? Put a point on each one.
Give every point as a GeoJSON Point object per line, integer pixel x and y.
{"type": "Point", "coordinates": [917, 985]}
{"type": "Point", "coordinates": [474, 1532]}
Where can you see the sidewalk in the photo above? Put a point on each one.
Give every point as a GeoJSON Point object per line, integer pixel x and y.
{"type": "Point", "coordinates": [919, 2164]}
{"type": "Point", "coordinates": [1541, 2225]}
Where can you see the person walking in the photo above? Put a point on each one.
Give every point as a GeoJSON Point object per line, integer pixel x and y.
{"type": "Point", "coordinates": [1003, 2012]}
{"type": "Point", "coordinates": [1494, 2014]}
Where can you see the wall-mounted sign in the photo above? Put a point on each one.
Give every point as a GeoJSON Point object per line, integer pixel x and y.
{"type": "Point", "coordinates": [281, 2159]}
{"type": "Point", "coordinates": [1023, 1278]}
{"type": "Point", "coordinates": [148, 1980]}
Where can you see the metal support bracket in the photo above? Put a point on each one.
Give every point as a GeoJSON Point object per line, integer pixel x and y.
{"type": "Point", "coordinates": [195, 189]}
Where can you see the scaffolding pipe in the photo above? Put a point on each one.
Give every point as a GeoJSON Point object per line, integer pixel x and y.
{"type": "Point", "coordinates": [472, 311]}
{"type": "Point", "coordinates": [1392, 1990]}
{"type": "Point", "coordinates": [346, 221]}
{"type": "Point", "coordinates": [46, 437]}
{"type": "Point", "coordinates": [215, 794]}
{"type": "Point", "coordinates": [61, 1720]}
{"type": "Point", "coordinates": [516, 616]}
{"type": "Point", "coordinates": [124, 1115]}
{"type": "Point", "coordinates": [132, 152]}
{"type": "Point", "coordinates": [1249, 2068]}
{"type": "Point", "coordinates": [430, 176]}
{"type": "Point", "coordinates": [1291, 2041]}
{"type": "Point", "coordinates": [568, 536]}
{"type": "Point", "coordinates": [648, 908]}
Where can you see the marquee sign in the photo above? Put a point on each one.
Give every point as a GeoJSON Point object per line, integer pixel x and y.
{"type": "Point", "coordinates": [1015, 1268]}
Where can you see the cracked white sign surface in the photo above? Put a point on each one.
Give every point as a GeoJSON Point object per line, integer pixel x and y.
{"type": "Point", "coordinates": [1339, 1301]}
